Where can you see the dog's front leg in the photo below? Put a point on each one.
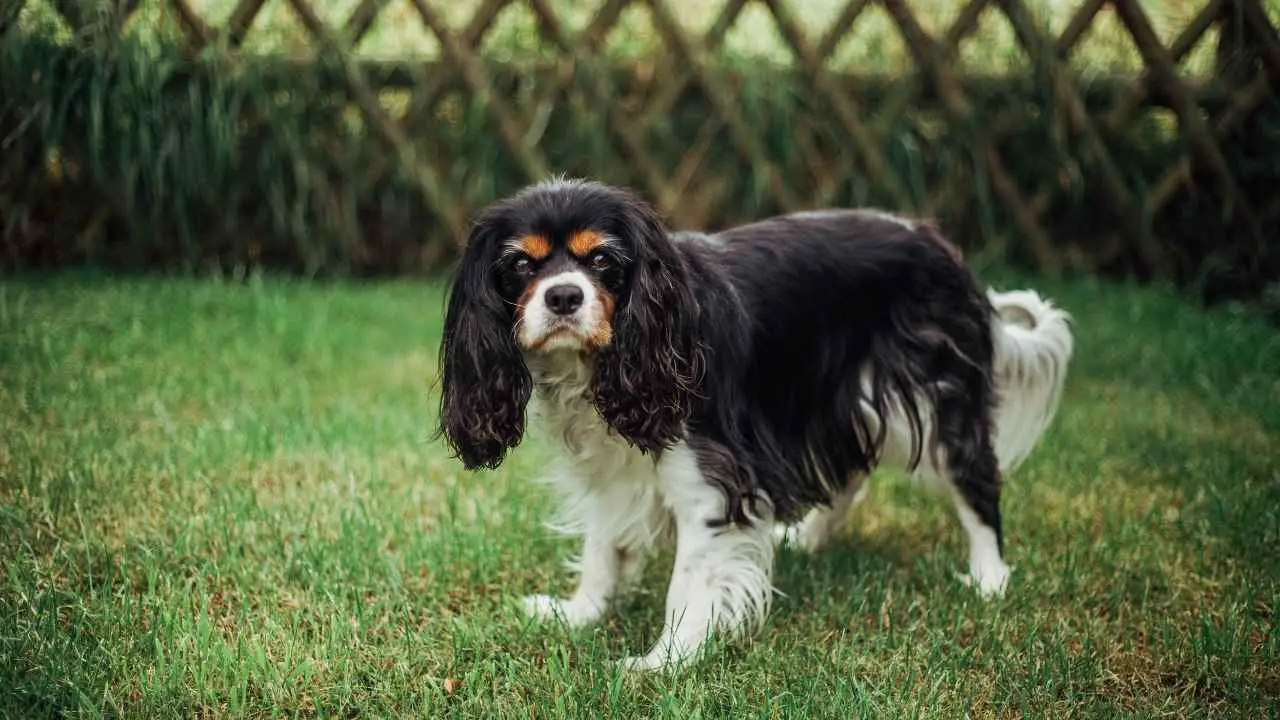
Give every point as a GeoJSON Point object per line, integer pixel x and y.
{"type": "Point", "coordinates": [722, 578]}
{"type": "Point", "coordinates": [617, 525]}
{"type": "Point", "coordinates": [600, 568]}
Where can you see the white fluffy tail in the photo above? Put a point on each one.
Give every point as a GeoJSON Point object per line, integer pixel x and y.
{"type": "Point", "coordinates": [1033, 348]}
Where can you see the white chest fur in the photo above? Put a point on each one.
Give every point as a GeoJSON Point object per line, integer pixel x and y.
{"type": "Point", "coordinates": [600, 478]}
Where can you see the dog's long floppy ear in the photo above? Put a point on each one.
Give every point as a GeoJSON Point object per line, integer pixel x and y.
{"type": "Point", "coordinates": [485, 385]}
{"type": "Point", "coordinates": [646, 379]}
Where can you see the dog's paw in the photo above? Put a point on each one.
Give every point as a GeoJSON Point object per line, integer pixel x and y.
{"type": "Point", "coordinates": [990, 583]}
{"type": "Point", "coordinates": [570, 612]}
{"type": "Point", "coordinates": [643, 663]}
{"type": "Point", "coordinates": [784, 534]}
{"type": "Point", "coordinates": [802, 537]}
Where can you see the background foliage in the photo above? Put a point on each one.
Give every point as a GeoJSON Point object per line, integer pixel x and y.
{"type": "Point", "coordinates": [346, 137]}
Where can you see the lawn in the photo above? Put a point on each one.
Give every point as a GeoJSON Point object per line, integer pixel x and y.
{"type": "Point", "coordinates": [222, 498]}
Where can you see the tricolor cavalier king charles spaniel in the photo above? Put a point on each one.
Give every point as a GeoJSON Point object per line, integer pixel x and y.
{"type": "Point", "coordinates": [702, 388]}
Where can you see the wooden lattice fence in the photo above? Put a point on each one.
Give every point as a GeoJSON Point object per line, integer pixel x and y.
{"type": "Point", "coordinates": [1047, 164]}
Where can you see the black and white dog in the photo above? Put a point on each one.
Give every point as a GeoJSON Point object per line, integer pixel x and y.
{"type": "Point", "coordinates": [703, 387]}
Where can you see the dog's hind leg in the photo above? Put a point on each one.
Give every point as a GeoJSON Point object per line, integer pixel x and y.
{"type": "Point", "coordinates": [966, 461]}
{"type": "Point", "coordinates": [987, 570]}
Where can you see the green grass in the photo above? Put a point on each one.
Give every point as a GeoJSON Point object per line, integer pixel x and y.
{"type": "Point", "coordinates": [221, 498]}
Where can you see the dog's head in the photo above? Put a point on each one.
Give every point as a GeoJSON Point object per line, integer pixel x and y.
{"type": "Point", "coordinates": [578, 269]}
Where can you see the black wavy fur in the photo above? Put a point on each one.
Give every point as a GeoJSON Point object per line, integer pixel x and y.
{"type": "Point", "coordinates": [645, 381]}
{"type": "Point", "coordinates": [748, 344]}
{"type": "Point", "coordinates": [485, 385]}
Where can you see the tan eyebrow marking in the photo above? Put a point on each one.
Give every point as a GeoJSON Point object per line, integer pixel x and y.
{"type": "Point", "coordinates": [535, 246]}
{"type": "Point", "coordinates": [583, 242]}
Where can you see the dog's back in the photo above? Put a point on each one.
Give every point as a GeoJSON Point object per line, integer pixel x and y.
{"type": "Point", "coordinates": [847, 317]}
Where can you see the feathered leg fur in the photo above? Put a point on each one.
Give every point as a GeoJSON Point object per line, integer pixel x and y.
{"type": "Point", "coordinates": [1034, 345]}
{"type": "Point", "coordinates": [722, 579]}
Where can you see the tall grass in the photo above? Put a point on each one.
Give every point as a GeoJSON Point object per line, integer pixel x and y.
{"type": "Point", "coordinates": [121, 148]}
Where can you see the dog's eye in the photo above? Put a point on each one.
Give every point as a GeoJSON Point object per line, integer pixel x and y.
{"type": "Point", "coordinates": [522, 266]}
{"type": "Point", "coordinates": [600, 261]}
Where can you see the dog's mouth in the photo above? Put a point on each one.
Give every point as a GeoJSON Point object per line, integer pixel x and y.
{"type": "Point", "coordinates": [560, 334]}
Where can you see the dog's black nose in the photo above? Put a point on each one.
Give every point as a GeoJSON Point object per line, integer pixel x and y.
{"type": "Point", "coordinates": [564, 299]}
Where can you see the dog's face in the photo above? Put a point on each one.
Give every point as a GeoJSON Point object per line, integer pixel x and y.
{"type": "Point", "coordinates": [576, 267]}
{"type": "Point", "coordinates": [565, 284]}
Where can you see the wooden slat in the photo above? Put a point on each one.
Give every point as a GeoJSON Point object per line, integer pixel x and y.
{"type": "Point", "coordinates": [828, 172]}
{"type": "Point", "coordinates": [666, 188]}
{"type": "Point", "coordinates": [743, 139]}
{"type": "Point", "coordinates": [577, 50]}
{"type": "Point", "coordinates": [241, 19]}
{"type": "Point", "coordinates": [866, 144]}
{"type": "Point", "coordinates": [664, 99]}
{"type": "Point", "coordinates": [681, 178]}
{"type": "Point", "coordinates": [1139, 91]}
{"type": "Point", "coordinates": [361, 20]}
{"type": "Point", "coordinates": [923, 48]}
{"type": "Point", "coordinates": [1263, 34]}
{"type": "Point", "coordinates": [1242, 104]}
{"type": "Point", "coordinates": [602, 22]}
{"type": "Point", "coordinates": [1079, 23]}
{"type": "Point", "coordinates": [1193, 125]}
{"type": "Point", "coordinates": [1125, 206]}
{"type": "Point", "coordinates": [572, 75]}
{"type": "Point", "coordinates": [840, 27]}
{"type": "Point", "coordinates": [627, 131]}
{"type": "Point", "coordinates": [434, 86]}
{"type": "Point", "coordinates": [964, 25]}
{"type": "Point", "coordinates": [199, 34]}
{"type": "Point", "coordinates": [666, 93]}
{"type": "Point", "coordinates": [473, 71]}
{"type": "Point", "coordinates": [434, 190]}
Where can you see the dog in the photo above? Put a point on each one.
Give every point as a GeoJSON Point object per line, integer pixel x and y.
{"type": "Point", "coordinates": [707, 388]}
